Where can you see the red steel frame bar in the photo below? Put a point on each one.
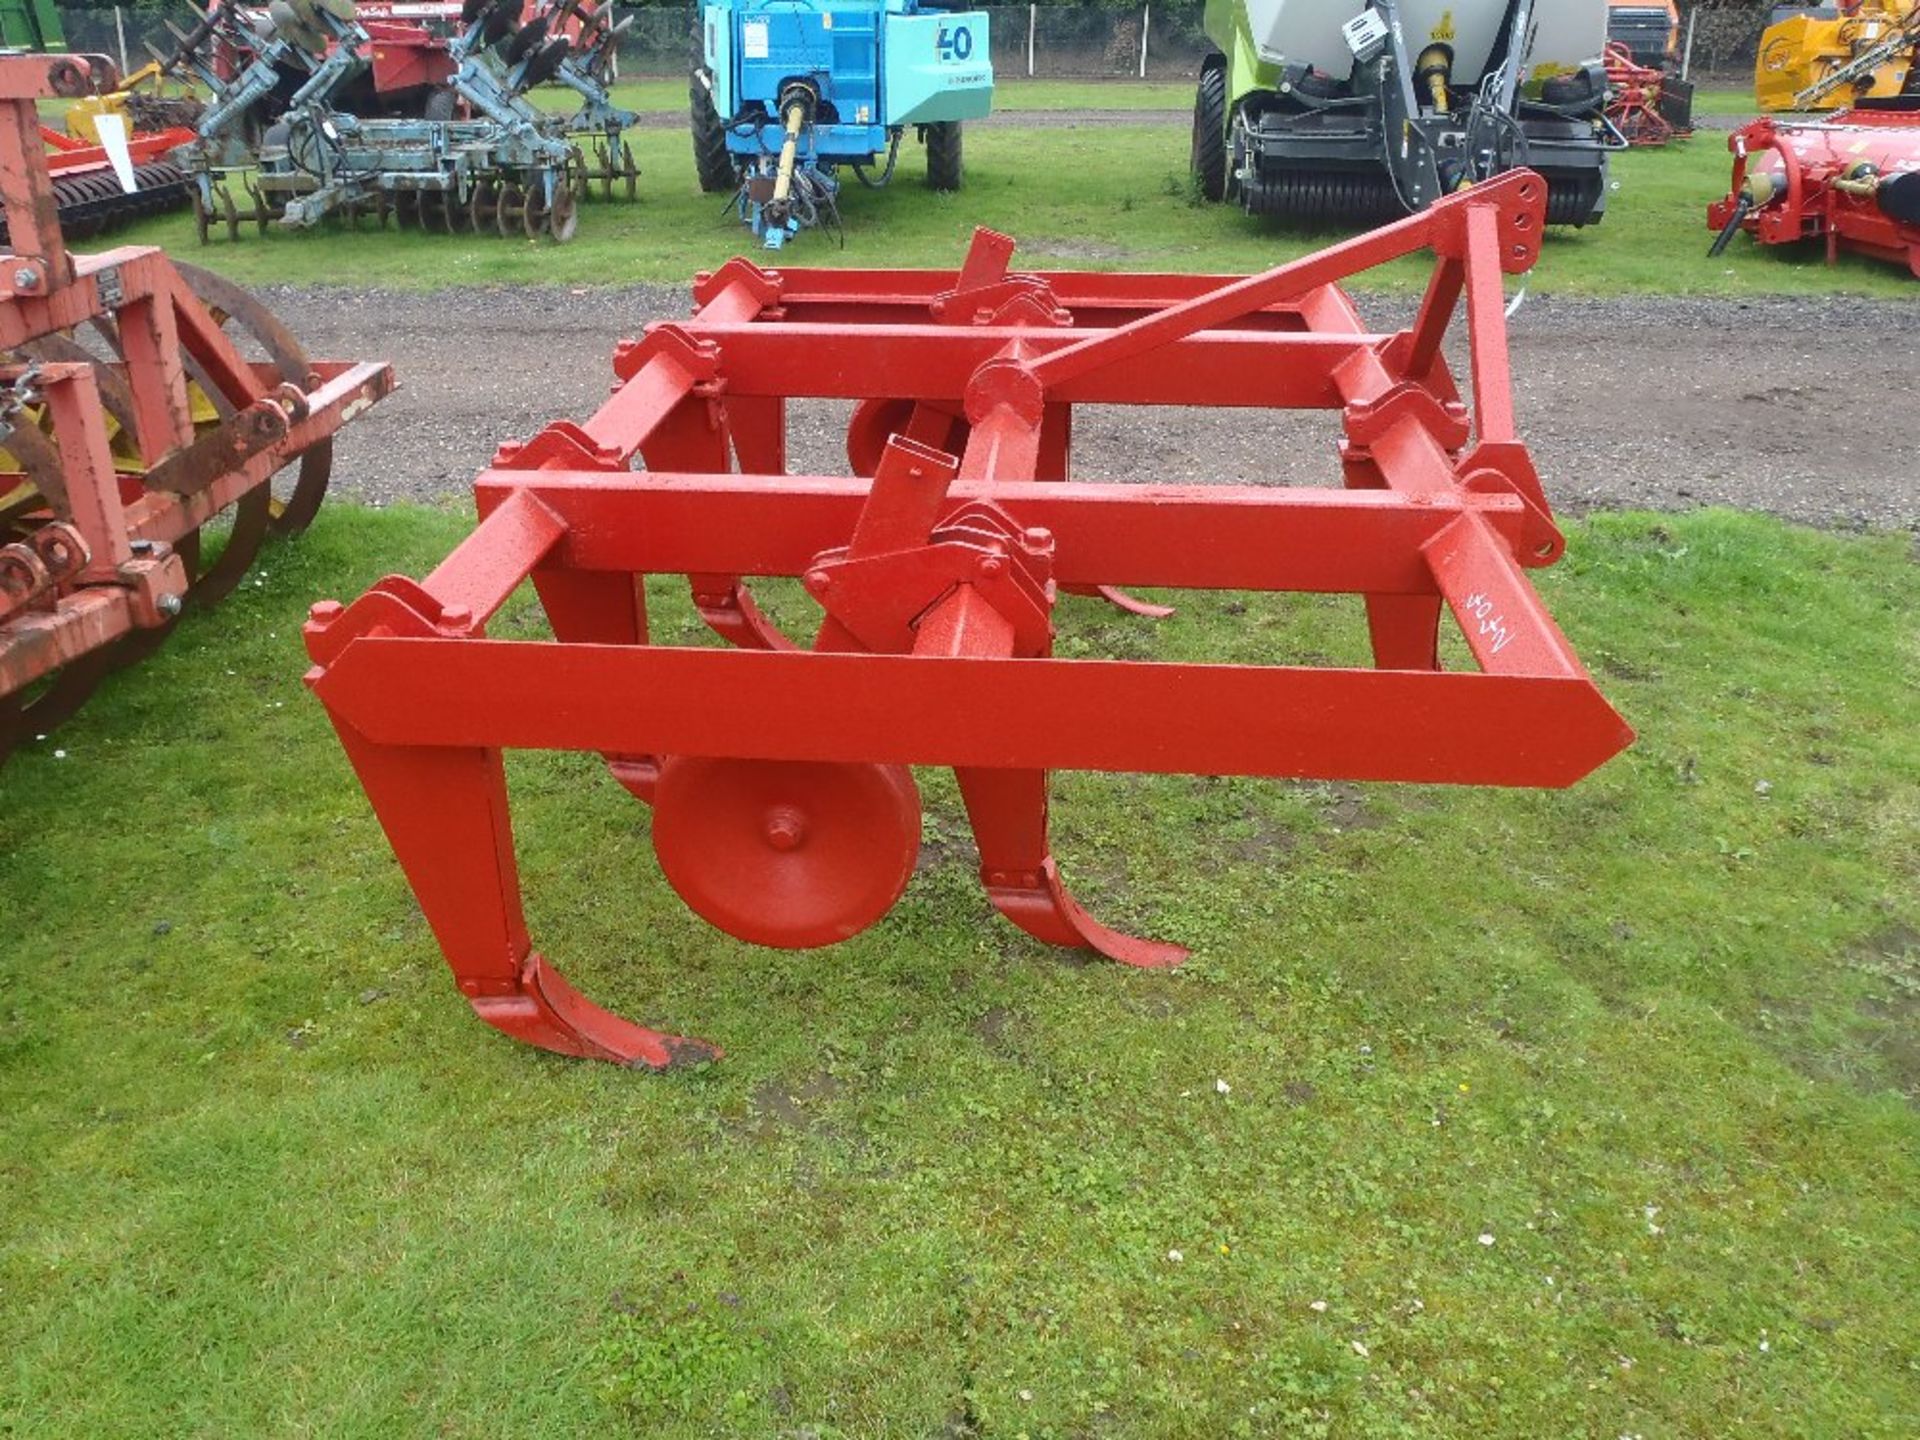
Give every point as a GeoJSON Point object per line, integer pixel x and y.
{"type": "Point", "coordinates": [68, 156]}
{"type": "Point", "coordinates": [967, 383]}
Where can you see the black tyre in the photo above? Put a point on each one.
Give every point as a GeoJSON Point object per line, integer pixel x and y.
{"type": "Point", "coordinates": [1573, 88]}
{"type": "Point", "coordinates": [943, 155]}
{"type": "Point", "coordinates": [440, 105]}
{"type": "Point", "coordinates": [710, 157]}
{"type": "Point", "coordinates": [1209, 158]}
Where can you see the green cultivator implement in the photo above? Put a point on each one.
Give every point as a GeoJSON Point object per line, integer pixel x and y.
{"type": "Point", "coordinates": [319, 114]}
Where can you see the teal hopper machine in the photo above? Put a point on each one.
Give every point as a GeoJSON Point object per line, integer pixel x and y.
{"type": "Point", "coordinates": [790, 91]}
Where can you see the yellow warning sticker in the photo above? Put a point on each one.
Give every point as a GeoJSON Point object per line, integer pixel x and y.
{"type": "Point", "coordinates": [1444, 30]}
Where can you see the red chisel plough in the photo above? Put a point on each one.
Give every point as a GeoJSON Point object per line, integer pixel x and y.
{"type": "Point", "coordinates": [784, 811]}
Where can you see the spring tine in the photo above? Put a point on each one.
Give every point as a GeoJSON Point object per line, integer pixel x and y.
{"type": "Point", "coordinates": [262, 216]}
{"type": "Point", "coordinates": [632, 170]}
{"type": "Point", "coordinates": [230, 214]}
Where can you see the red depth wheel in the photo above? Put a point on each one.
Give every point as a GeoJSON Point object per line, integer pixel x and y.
{"type": "Point", "coordinates": [788, 853]}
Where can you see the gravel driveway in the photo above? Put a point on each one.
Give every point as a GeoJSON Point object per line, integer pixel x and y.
{"type": "Point", "coordinates": [1791, 406]}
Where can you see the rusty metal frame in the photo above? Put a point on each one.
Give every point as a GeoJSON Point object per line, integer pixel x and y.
{"type": "Point", "coordinates": [126, 522]}
{"type": "Point", "coordinates": [937, 565]}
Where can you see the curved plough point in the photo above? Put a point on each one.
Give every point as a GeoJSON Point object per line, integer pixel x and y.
{"type": "Point", "coordinates": [1120, 599]}
{"type": "Point", "coordinates": [730, 611]}
{"type": "Point", "coordinates": [548, 1012]}
{"type": "Point", "coordinates": [1040, 904]}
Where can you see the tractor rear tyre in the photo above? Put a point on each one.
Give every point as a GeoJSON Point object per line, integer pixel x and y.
{"type": "Point", "coordinates": [1209, 160]}
{"type": "Point", "coordinates": [710, 157]}
{"type": "Point", "coordinates": [943, 155]}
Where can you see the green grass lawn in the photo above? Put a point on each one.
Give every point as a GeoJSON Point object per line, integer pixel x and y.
{"type": "Point", "coordinates": [1724, 100]}
{"type": "Point", "coordinates": [1106, 197]}
{"type": "Point", "coordinates": [1579, 1113]}
{"type": "Point", "coordinates": [1018, 93]}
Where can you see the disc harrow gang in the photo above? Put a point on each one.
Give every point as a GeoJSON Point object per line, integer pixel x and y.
{"type": "Point", "coordinates": [490, 204]}
{"type": "Point", "coordinates": [139, 438]}
{"type": "Point", "coordinates": [777, 765]}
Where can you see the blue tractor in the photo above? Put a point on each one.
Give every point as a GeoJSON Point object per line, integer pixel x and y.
{"type": "Point", "coordinates": [790, 90]}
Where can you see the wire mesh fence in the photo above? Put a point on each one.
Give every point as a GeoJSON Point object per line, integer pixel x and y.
{"type": "Point", "coordinates": [1085, 43]}
{"type": "Point", "coordinates": [1050, 41]}
{"type": "Point", "coordinates": [1088, 42]}
{"type": "Point", "coordinates": [105, 31]}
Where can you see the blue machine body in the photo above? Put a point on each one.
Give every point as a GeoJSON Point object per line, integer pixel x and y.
{"type": "Point", "coordinates": [876, 67]}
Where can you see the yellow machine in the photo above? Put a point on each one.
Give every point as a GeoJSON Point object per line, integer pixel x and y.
{"type": "Point", "coordinates": [141, 98]}
{"type": "Point", "coordinates": [1798, 52]}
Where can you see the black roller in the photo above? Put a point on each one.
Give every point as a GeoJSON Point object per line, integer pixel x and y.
{"type": "Point", "coordinates": [1571, 198]}
{"type": "Point", "coordinates": [1356, 199]}
{"type": "Point", "coordinates": [94, 202]}
{"type": "Point", "coordinates": [1898, 197]}
{"type": "Point", "coordinates": [1322, 199]}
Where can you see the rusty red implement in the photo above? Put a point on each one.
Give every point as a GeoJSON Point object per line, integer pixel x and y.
{"type": "Point", "coordinates": [785, 811]}
{"type": "Point", "coordinates": [133, 417]}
